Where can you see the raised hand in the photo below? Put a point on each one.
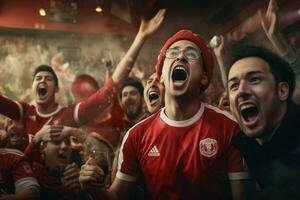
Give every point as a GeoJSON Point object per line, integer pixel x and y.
{"type": "Point", "coordinates": [149, 27]}
{"type": "Point", "coordinates": [269, 20]}
{"type": "Point", "coordinates": [44, 133]}
{"type": "Point", "coordinates": [60, 132]}
{"type": "Point", "coordinates": [70, 179]}
{"type": "Point", "coordinates": [91, 175]}
{"type": "Point", "coordinates": [219, 50]}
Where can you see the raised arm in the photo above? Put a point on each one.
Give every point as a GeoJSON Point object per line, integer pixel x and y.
{"type": "Point", "coordinates": [10, 108]}
{"type": "Point", "coordinates": [270, 25]}
{"type": "Point", "coordinates": [98, 102]}
{"type": "Point", "coordinates": [146, 29]}
{"type": "Point", "coordinates": [220, 54]}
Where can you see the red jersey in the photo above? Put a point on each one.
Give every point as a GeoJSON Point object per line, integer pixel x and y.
{"type": "Point", "coordinates": [15, 173]}
{"type": "Point", "coordinates": [74, 115]}
{"type": "Point", "coordinates": [109, 124]}
{"type": "Point", "coordinates": [190, 159]}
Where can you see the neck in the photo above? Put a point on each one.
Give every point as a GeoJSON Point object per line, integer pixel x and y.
{"type": "Point", "coordinates": [181, 108]}
{"type": "Point", "coordinates": [277, 121]}
{"type": "Point", "coordinates": [136, 119]}
{"type": "Point", "coordinates": [47, 108]}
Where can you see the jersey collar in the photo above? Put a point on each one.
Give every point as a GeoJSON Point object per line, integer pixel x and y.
{"type": "Point", "coordinates": [183, 123]}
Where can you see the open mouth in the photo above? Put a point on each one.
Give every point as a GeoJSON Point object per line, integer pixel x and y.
{"type": "Point", "coordinates": [225, 103]}
{"type": "Point", "coordinates": [130, 105]}
{"type": "Point", "coordinates": [179, 74]}
{"type": "Point", "coordinates": [42, 91]}
{"type": "Point", "coordinates": [153, 96]}
{"type": "Point", "coordinates": [249, 113]}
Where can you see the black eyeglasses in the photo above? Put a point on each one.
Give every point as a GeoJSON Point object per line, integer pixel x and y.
{"type": "Point", "coordinates": [189, 52]}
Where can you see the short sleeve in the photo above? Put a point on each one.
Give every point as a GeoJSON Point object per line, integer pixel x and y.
{"type": "Point", "coordinates": [128, 158]}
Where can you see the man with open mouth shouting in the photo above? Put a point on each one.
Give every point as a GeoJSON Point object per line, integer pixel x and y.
{"type": "Point", "coordinates": [183, 151]}
{"type": "Point", "coordinates": [260, 86]}
{"type": "Point", "coordinates": [45, 86]}
{"type": "Point", "coordinates": [154, 94]}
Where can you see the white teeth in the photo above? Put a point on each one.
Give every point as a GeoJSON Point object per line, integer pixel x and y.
{"type": "Point", "coordinates": [153, 92]}
{"type": "Point", "coordinates": [42, 86]}
{"type": "Point", "coordinates": [179, 67]}
{"type": "Point", "coordinates": [245, 106]}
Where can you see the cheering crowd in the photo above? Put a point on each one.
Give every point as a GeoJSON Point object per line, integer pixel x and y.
{"type": "Point", "coordinates": [162, 139]}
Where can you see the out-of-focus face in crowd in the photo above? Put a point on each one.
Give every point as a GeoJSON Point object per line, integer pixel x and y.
{"type": "Point", "coordinates": [224, 102]}
{"type": "Point", "coordinates": [44, 88]}
{"type": "Point", "coordinates": [83, 87]}
{"type": "Point", "coordinates": [15, 134]}
{"type": "Point", "coordinates": [132, 102]}
{"type": "Point", "coordinates": [57, 154]}
{"type": "Point", "coordinates": [154, 94]}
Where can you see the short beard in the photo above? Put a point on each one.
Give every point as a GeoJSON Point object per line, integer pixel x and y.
{"type": "Point", "coordinates": [134, 115]}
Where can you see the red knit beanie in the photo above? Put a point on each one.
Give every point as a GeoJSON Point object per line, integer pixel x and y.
{"type": "Point", "coordinates": [199, 41]}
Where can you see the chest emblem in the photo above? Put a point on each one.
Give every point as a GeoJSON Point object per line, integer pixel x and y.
{"type": "Point", "coordinates": [33, 118]}
{"type": "Point", "coordinates": [208, 147]}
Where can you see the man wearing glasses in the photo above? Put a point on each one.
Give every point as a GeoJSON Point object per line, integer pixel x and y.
{"type": "Point", "coordinates": [183, 151]}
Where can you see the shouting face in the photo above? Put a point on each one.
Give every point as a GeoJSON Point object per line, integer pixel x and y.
{"type": "Point", "coordinates": [44, 88]}
{"type": "Point", "coordinates": [58, 154]}
{"type": "Point", "coordinates": [131, 102]}
{"type": "Point", "coordinates": [255, 98]}
{"type": "Point", "coordinates": [154, 94]}
{"type": "Point", "coordinates": [182, 70]}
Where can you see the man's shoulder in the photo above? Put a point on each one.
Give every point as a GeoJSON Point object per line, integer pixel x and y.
{"type": "Point", "coordinates": [11, 152]}
{"type": "Point", "coordinates": [218, 114]}
{"type": "Point", "coordinates": [146, 123]}
{"type": "Point", "coordinates": [10, 156]}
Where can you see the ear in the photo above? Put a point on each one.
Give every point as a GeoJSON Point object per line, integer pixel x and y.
{"type": "Point", "coordinates": [283, 91]}
{"type": "Point", "coordinates": [204, 79]}
{"type": "Point", "coordinates": [161, 80]}
{"type": "Point", "coordinates": [56, 89]}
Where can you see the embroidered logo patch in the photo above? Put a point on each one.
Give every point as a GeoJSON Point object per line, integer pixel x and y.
{"type": "Point", "coordinates": [33, 118]}
{"type": "Point", "coordinates": [208, 147]}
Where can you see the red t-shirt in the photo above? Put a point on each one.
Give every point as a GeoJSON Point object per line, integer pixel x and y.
{"type": "Point", "coordinates": [73, 115]}
{"type": "Point", "coordinates": [109, 124]}
{"type": "Point", "coordinates": [15, 173]}
{"type": "Point", "coordinates": [191, 159]}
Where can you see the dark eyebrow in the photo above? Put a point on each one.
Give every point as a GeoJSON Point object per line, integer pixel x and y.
{"type": "Point", "coordinates": [254, 73]}
{"type": "Point", "coordinates": [251, 73]}
{"type": "Point", "coordinates": [232, 79]}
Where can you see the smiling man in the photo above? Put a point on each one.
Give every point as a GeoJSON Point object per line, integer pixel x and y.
{"type": "Point", "coordinates": [183, 151]}
{"type": "Point", "coordinates": [131, 97]}
{"type": "Point", "coordinates": [260, 86]}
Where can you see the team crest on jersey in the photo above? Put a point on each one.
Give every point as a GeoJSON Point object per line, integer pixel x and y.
{"type": "Point", "coordinates": [32, 117]}
{"type": "Point", "coordinates": [208, 147]}
{"type": "Point", "coordinates": [27, 168]}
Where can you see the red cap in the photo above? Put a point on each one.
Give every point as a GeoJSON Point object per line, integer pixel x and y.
{"type": "Point", "coordinates": [199, 41]}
